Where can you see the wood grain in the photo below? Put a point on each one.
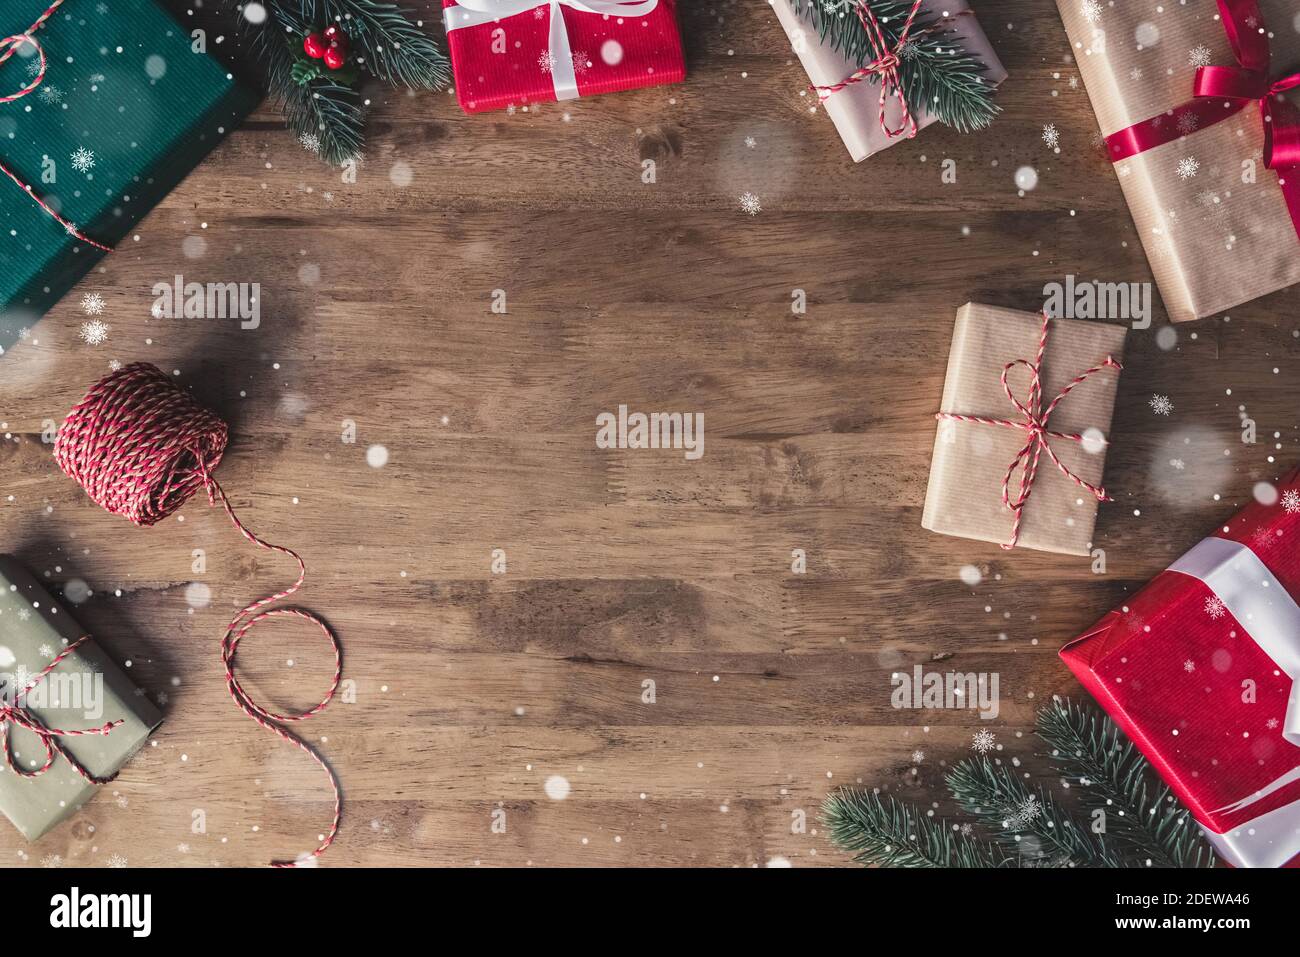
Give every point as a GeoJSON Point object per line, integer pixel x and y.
{"type": "Point", "coordinates": [473, 688]}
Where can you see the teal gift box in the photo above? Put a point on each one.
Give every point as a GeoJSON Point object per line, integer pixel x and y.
{"type": "Point", "coordinates": [125, 109]}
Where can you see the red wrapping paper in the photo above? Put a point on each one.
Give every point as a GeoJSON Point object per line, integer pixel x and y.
{"type": "Point", "coordinates": [515, 52]}
{"type": "Point", "coordinates": [1200, 670]}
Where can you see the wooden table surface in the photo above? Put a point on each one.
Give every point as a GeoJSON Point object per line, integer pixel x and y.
{"type": "Point", "coordinates": [471, 690]}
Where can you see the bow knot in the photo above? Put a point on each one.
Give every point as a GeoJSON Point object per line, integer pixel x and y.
{"type": "Point", "coordinates": [1034, 423]}
{"type": "Point", "coordinates": [14, 712]}
{"type": "Point", "coordinates": [884, 65]}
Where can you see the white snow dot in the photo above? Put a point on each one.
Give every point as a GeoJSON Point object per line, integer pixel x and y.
{"type": "Point", "coordinates": [1094, 441]}
{"type": "Point", "coordinates": [194, 247]}
{"type": "Point", "coordinates": [401, 174]}
{"type": "Point", "coordinates": [377, 456]}
{"type": "Point", "coordinates": [6, 657]}
{"type": "Point", "coordinates": [254, 13]}
{"type": "Point", "coordinates": [76, 591]}
{"type": "Point", "coordinates": [1026, 178]}
{"type": "Point", "coordinates": [970, 575]}
{"type": "Point", "coordinates": [155, 67]}
{"type": "Point", "coordinates": [1147, 34]}
{"type": "Point", "coordinates": [197, 595]}
{"type": "Point", "coordinates": [309, 274]}
{"type": "Point", "coordinates": [1266, 493]}
{"type": "Point", "coordinates": [1166, 338]}
{"type": "Point", "coordinates": [611, 52]}
{"type": "Point", "coordinates": [557, 787]}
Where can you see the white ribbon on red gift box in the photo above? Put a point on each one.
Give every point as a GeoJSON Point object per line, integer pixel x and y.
{"type": "Point", "coordinates": [564, 73]}
{"type": "Point", "coordinates": [1254, 597]}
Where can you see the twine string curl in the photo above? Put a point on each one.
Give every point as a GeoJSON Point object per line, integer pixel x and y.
{"type": "Point", "coordinates": [14, 712]}
{"type": "Point", "coordinates": [140, 446]}
{"type": "Point", "coordinates": [7, 47]}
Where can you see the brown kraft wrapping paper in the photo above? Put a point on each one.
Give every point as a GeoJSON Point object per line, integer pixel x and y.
{"type": "Point", "coordinates": [1215, 229]}
{"type": "Point", "coordinates": [964, 496]}
{"type": "Point", "coordinates": [855, 110]}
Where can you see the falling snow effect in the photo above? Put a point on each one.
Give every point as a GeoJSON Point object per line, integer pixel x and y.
{"type": "Point", "coordinates": [750, 204]}
{"type": "Point", "coordinates": [1091, 10]}
{"type": "Point", "coordinates": [982, 741]}
{"type": "Point", "coordinates": [1024, 814]}
{"type": "Point", "coordinates": [92, 304]}
{"type": "Point", "coordinates": [1189, 666]}
{"type": "Point", "coordinates": [1215, 608]}
{"type": "Point", "coordinates": [1291, 501]}
{"type": "Point", "coordinates": [83, 160]}
{"type": "Point", "coordinates": [50, 94]}
{"type": "Point", "coordinates": [546, 61]}
{"type": "Point", "coordinates": [1199, 56]}
{"type": "Point", "coordinates": [310, 142]}
{"type": "Point", "coordinates": [1187, 167]}
{"type": "Point", "coordinates": [1188, 123]}
{"type": "Point", "coordinates": [1161, 405]}
{"type": "Point", "coordinates": [1051, 136]}
{"type": "Point", "coordinates": [94, 332]}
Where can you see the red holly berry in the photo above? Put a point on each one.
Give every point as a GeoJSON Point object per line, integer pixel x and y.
{"type": "Point", "coordinates": [335, 56]}
{"type": "Point", "coordinates": [315, 46]}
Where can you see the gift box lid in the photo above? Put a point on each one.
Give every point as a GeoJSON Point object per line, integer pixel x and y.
{"type": "Point", "coordinates": [86, 689]}
{"type": "Point", "coordinates": [125, 110]}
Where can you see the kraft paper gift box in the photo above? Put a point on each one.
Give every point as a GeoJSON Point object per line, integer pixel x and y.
{"type": "Point", "coordinates": [516, 52]}
{"type": "Point", "coordinates": [855, 110]}
{"type": "Point", "coordinates": [1201, 669]}
{"type": "Point", "coordinates": [1213, 220]}
{"type": "Point", "coordinates": [125, 110]}
{"type": "Point", "coordinates": [970, 460]}
{"type": "Point", "coordinates": [86, 689]}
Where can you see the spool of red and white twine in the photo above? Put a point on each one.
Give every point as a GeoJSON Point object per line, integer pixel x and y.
{"type": "Point", "coordinates": [141, 446]}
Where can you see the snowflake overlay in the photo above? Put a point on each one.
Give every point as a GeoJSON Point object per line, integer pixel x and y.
{"type": "Point", "coordinates": [1215, 608]}
{"type": "Point", "coordinates": [92, 304]}
{"type": "Point", "coordinates": [982, 741]}
{"type": "Point", "coordinates": [1161, 405]}
{"type": "Point", "coordinates": [1052, 136]}
{"type": "Point", "coordinates": [1187, 167]}
{"type": "Point", "coordinates": [83, 160]}
{"type": "Point", "coordinates": [1291, 501]}
{"type": "Point", "coordinates": [94, 332]}
{"type": "Point", "coordinates": [750, 204]}
{"type": "Point", "coordinates": [1199, 56]}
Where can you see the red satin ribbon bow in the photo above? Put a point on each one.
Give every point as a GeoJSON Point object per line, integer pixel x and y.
{"type": "Point", "coordinates": [1221, 92]}
{"type": "Point", "coordinates": [15, 713]}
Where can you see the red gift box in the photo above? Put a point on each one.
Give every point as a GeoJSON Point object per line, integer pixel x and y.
{"type": "Point", "coordinates": [1201, 669]}
{"type": "Point", "coordinates": [514, 52]}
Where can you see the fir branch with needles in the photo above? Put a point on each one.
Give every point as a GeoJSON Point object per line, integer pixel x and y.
{"type": "Point", "coordinates": [325, 107]}
{"type": "Point", "coordinates": [1030, 823]}
{"type": "Point", "coordinates": [887, 832]}
{"type": "Point", "coordinates": [1111, 775]}
{"type": "Point", "coordinates": [1029, 827]}
{"type": "Point", "coordinates": [936, 71]}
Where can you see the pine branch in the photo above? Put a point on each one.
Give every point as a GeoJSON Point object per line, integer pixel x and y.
{"type": "Point", "coordinates": [892, 834]}
{"type": "Point", "coordinates": [331, 114]}
{"type": "Point", "coordinates": [325, 107]}
{"type": "Point", "coordinates": [936, 71]}
{"type": "Point", "coordinates": [1001, 799]}
{"type": "Point", "coordinates": [1112, 775]}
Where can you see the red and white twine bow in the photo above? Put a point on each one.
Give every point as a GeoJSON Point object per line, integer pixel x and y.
{"type": "Point", "coordinates": [1034, 424]}
{"type": "Point", "coordinates": [7, 47]}
{"type": "Point", "coordinates": [884, 65]}
{"type": "Point", "coordinates": [14, 712]}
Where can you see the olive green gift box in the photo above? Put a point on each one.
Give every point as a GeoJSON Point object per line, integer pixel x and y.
{"type": "Point", "coordinates": [93, 690]}
{"type": "Point", "coordinates": [126, 109]}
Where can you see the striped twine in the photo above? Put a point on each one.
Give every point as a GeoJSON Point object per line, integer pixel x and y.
{"type": "Point", "coordinates": [14, 712]}
{"type": "Point", "coordinates": [140, 446]}
{"type": "Point", "coordinates": [9, 45]}
{"type": "Point", "coordinates": [1034, 423]}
